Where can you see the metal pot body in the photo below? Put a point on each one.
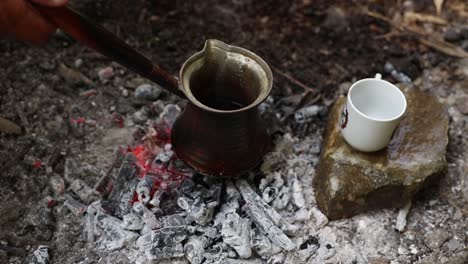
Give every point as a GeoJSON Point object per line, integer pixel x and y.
{"type": "Point", "coordinates": [220, 131]}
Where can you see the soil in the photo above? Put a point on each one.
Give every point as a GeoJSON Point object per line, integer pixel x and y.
{"type": "Point", "coordinates": [321, 44]}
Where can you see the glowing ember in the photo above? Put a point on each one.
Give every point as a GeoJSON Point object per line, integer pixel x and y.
{"type": "Point", "coordinates": [37, 164]}
{"type": "Point", "coordinates": [156, 165]}
{"type": "Point", "coordinates": [80, 120]}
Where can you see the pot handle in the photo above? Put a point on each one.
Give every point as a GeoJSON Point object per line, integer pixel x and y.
{"type": "Point", "coordinates": [108, 44]}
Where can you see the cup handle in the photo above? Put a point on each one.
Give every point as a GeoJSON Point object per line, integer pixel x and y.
{"type": "Point", "coordinates": [378, 76]}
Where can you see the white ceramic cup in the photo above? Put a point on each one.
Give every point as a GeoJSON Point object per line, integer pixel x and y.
{"type": "Point", "coordinates": [373, 110]}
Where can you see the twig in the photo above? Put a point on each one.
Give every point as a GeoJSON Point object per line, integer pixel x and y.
{"type": "Point", "coordinates": [293, 80]}
{"type": "Point", "coordinates": [422, 37]}
{"type": "Point", "coordinates": [23, 118]}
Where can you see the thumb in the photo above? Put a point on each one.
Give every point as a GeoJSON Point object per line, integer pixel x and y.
{"type": "Point", "coordinates": [51, 3]}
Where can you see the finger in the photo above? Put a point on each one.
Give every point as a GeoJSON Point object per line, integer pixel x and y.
{"type": "Point", "coordinates": [51, 3]}
{"type": "Point", "coordinates": [32, 27]}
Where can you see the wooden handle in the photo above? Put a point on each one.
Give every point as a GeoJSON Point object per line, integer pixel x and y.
{"type": "Point", "coordinates": [105, 42]}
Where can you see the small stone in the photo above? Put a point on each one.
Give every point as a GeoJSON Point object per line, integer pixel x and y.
{"type": "Point", "coordinates": [141, 116]}
{"type": "Point", "coordinates": [134, 83]}
{"type": "Point", "coordinates": [452, 35]}
{"type": "Point", "coordinates": [106, 74]}
{"type": "Point", "coordinates": [454, 245]}
{"type": "Point", "coordinates": [147, 92]}
{"type": "Point", "coordinates": [47, 65]}
{"type": "Point", "coordinates": [78, 63]}
{"type": "Point", "coordinates": [349, 182]}
{"type": "Point", "coordinates": [125, 92]}
{"type": "Point", "coordinates": [434, 240]}
{"type": "Point", "coordinates": [336, 20]}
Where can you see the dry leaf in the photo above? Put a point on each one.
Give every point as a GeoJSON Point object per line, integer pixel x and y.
{"type": "Point", "coordinates": [438, 5]}
{"type": "Point", "coordinates": [9, 127]}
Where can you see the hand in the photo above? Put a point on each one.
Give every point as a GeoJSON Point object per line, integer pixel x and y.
{"type": "Point", "coordinates": [19, 19]}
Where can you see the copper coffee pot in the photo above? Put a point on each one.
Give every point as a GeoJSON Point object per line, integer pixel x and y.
{"type": "Point", "coordinates": [220, 131]}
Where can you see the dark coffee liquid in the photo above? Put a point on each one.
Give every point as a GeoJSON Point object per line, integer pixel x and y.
{"type": "Point", "coordinates": [222, 104]}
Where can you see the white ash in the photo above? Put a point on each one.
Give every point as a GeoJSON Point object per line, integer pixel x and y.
{"type": "Point", "coordinates": [210, 220]}
{"type": "Point", "coordinates": [41, 255]}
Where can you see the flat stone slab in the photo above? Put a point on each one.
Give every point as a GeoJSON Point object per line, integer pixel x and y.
{"type": "Point", "coordinates": [349, 182]}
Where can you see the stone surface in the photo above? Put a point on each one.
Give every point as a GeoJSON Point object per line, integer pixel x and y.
{"type": "Point", "coordinates": [349, 182]}
{"type": "Point", "coordinates": [435, 239]}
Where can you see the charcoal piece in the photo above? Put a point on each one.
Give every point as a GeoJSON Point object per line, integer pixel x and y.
{"type": "Point", "coordinates": [231, 204]}
{"type": "Point", "coordinates": [169, 236]}
{"type": "Point", "coordinates": [308, 248]}
{"type": "Point", "coordinates": [164, 243]}
{"type": "Point", "coordinates": [71, 170]}
{"type": "Point", "coordinates": [173, 220]}
{"type": "Point", "coordinates": [170, 114]}
{"type": "Point", "coordinates": [57, 184]}
{"type": "Point", "coordinates": [194, 250]}
{"type": "Point", "coordinates": [276, 259]}
{"type": "Point", "coordinates": [401, 218]}
{"type": "Point", "coordinates": [114, 233]}
{"type": "Point", "coordinates": [215, 255]}
{"type": "Point", "coordinates": [398, 76]}
{"type": "Point", "coordinates": [269, 194]}
{"type": "Point", "coordinates": [144, 188]}
{"type": "Point", "coordinates": [185, 187]}
{"type": "Point", "coordinates": [242, 261]}
{"type": "Point", "coordinates": [41, 255]}
{"type": "Point", "coordinates": [123, 187]}
{"type": "Point", "coordinates": [147, 216]}
{"type": "Point", "coordinates": [283, 198]}
{"type": "Point", "coordinates": [302, 215]}
{"type": "Point", "coordinates": [163, 159]}
{"type": "Point", "coordinates": [297, 192]}
{"type": "Point", "coordinates": [252, 198]}
{"type": "Point", "coordinates": [153, 253]}
{"type": "Point", "coordinates": [144, 241]}
{"type": "Point", "coordinates": [90, 227]}
{"type": "Point", "coordinates": [262, 245]}
{"type": "Point", "coordinates": [273, 180]}
{"type": "Point", "coordinates": [321, 219]}
{"type": "Point", "coordinates": [236, 233]}
{"type": "Point", "coordinates": [197, 209]}
{"type": "Point", "coordinates": [180, 167]}
{"type": "Point", "coordinates": [132, 222]}
{"type": "Point", "coordinates": [126, 198]}
{"type": "Point", "coordinates": [83, 191]}
{"type": "Point", "coordinates": [306, 114]}
{"type": "Point", "coordinates": [210, 233]}
{"type": "Point", "coordinates": [104, 185]}
{"type": "Point", "coordinates": [75, 207]}
{"type": "Point", "coordinates": [272, 162]}
{"type": "Point", "coordinates": [264, 216]}
{"type": "Point", "coordinates": [156, 199]}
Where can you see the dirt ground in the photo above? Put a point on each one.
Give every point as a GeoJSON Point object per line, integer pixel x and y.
{"type": "Point", "coordinates": [322, 45]}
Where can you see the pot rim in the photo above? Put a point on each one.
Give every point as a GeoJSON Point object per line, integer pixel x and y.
{"type": "Point", "coordinates": [227, 48]}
